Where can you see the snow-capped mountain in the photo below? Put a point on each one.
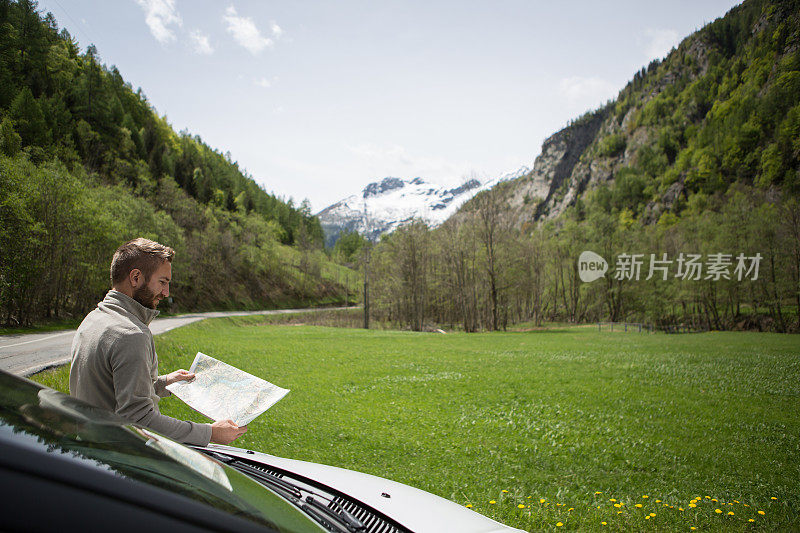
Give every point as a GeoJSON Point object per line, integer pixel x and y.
{"type": "Point", "coordinates": [384, 206]}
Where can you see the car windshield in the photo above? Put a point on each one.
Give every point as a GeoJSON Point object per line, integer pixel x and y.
{"type": "Point", "coordinates": [37, 417]}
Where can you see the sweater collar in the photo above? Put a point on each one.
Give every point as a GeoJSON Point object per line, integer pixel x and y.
{"type": "Point", "coordinates": [145, 314]}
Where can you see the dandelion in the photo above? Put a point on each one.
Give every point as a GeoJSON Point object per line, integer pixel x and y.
{"type": "Point", "coordinates": [714, 499]}
{"type": "Point", "coordinates": [762, 513]}
{"type": "Point", "coordinates": [653, 514]}
{"type": "Point", "coordinates": [638, 505]}
{"type": "Point", "coordinates": [666, 505]}
{"type": "Point", "coordinates": [492, 502]}
{"type": "Point", "coordinates": [647, 517]}
{"type": "Point", "coordinates": [570, 509]}
{"type": "Point", "coordinates": [746, 505]}
{"type": "Point", "coordinates": [504, 491]}
{"type": "Point", "coordinates": [529, 497]}
{"type": "Point", "coordinates": [617, 505]}
{"type": "Point", "coordinates": [692, 505]}
{"type": "Point", "coordinates": [619, 512]}
{"type": "Point", "coordinates": [604, 523]}
{"type": "Point", "coordinates": [708, 497]}
{"type": "Point", "coordinates": [730, 513]}
{"type": "Point", "coordinates": [597, 492]}
{"type": "Point", "coordinates": [612, 500]}
{"type": "Point", "coordinates": [645, 496]}
{"type": "Point", "coordinates": [692, 528]}
{"type": "Point", "coordinates": [658, 501]}
{"type": "Point", "coordinates": [559, 524]}
{"type": "Point", "coordinates": [542, 500]}
{"type": "Point", "coordinates": [521, 506]}
{"type": "Point", "coordinates": [680, 509]}
{"type": "Point", "coordinates": [469, 506]}
{"type": "Point", "coordinates": [751, 520]}
{"type": "Point", "coordinates": [735, 501]}
{"type": "Point", "coordinates": [773, 498]}
{"type": "Point", "coordinates": [718, 511]}
{"type": "Point", "coordinates": [598, 507]}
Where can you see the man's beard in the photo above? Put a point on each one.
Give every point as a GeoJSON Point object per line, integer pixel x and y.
{"type": "Point", "coordinates": [146, 297]}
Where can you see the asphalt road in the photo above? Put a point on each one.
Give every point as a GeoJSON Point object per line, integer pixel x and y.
{"type": "Point", "coordinates": [26, 354]}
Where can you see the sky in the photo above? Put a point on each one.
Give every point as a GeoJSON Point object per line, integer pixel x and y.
{"type": "Point", "coordinates": [315, 99]}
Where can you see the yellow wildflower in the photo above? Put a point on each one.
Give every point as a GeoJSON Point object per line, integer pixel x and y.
{"type": "Point", "coordinates": [653, 514]}
{"type": "Point", "coordinates": [762, 513]}
{"type": "Point", "coordinates": [612, 500]}
{"type": "Point", "coordinates": [735, 501]}
{"type": "Point", "coordinates": [521, 506]}
{"type": "Point", "coordinates": [617, 505]}
{"type": "Point", "coordinates": [680, 509]}
{"type": "Point", "coordinates": [645, 496]}
{"type": "Point", "coordinates": [647, 517]}
{"type": "Point", "coordinates": [598, 492]}
{"type": "Point", "coordinates": [708, 497]}
{"type": "Point", "coordinates": [692, 528]}
{"type": "Point", "coordinates": [692, 505]}
{"type": "Point", "coordinates": [638, 505]}
{"type": "Point", "coordinates": [718, 511]}
{"type": "Point", "coordinates": [542, 500]}
{"type": "Point", "coordinates": [619, 512]}
{"type": "Point", "coordinates": [604, 523]}
{"type": "Point", "coordinates": [492, 502]}
{"type": "Point", "coordinates": [751, 520]}
{"type": "Point", "coordinates": [658, 501]}
{"type": "Point", "coordinates": [469, 506]}
{"type": "Point", "coordinates": [730, 513]}
{"type": "Point", "coordinates": [559, 524]}
{"type": "Point", "coordinates": [714, 499]}
{"type": "Point", "coordinates": [773, 498]}
{"type": "Point", "coordinates": [504, 491]}
{"type": "Point", "coordinates": [570, 509]}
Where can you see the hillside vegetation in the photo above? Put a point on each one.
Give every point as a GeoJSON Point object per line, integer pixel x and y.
{"type": "Point", "coordinates": [698, 159]}
{"type": "Point", "coordinates": [86, 164]}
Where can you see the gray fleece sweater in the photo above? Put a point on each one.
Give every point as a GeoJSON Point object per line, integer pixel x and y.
{"type": "Point", "coordinates": [115, 366]}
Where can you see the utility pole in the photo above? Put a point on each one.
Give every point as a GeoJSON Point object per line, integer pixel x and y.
{"type": "Point", "coordinates": [366, 267]}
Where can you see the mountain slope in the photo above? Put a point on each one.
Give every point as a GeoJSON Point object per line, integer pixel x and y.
{"type": "Point", "coordinates": [385, 205]}
{"type": "Point", "coordinates": [722, 108]}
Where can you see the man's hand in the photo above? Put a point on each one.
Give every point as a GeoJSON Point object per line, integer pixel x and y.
{"type": "Point", "coordinates": [225, 431]}
{"type": "Point", "coordinates": [179, 375]}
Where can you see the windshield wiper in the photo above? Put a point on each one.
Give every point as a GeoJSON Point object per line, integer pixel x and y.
{"type": "Point", "coordinates": [333, 511]}
{"type": "Point", "coordinates": [350, 522]}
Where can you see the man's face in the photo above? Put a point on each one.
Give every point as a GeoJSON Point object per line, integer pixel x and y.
{"type": "Point", "coordinates": [150, 293]}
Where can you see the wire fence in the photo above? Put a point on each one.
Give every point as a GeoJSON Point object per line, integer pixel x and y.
{"type": "Point", "coordinates": [638, 327]}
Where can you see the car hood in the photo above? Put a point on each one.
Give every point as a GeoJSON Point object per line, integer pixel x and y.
{"type": "Point", "coordinates": [416, 509]}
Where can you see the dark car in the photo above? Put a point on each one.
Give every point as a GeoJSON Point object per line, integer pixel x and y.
{"type": "Point", "coordinates": [67, 466]}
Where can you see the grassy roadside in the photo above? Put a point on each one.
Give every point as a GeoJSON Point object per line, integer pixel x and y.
{"type": "Point", "coordinates": [578, 426]}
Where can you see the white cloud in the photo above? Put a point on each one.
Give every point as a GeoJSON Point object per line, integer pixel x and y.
{"type": "Point", "coordinates": [246, 33]}
{"type": "Point", "coordinates": [276, 30]}
{"type": "Point", "coordinates": [659, 42]}
{"type": "Point", "coordinates": [263, 82]}
{"type": "Point", "coordinates": [159, 16]}
{"type": "Point", "coordinates": [200, 43]}
{"type": "Point", "coordinates": [586, 93]}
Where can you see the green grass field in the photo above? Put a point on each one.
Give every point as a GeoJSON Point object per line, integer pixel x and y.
{"type": "Point", "coordinates": [564, 429]}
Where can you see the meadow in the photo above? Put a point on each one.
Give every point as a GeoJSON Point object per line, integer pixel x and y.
{"type": "Point", "coordinates": [557, 429]}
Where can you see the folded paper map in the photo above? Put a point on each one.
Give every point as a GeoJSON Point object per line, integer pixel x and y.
{"type": "Point", "coordinates": [222, 392]}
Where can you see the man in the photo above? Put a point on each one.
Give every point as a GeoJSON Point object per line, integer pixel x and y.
{"type": "Point", "coordinates": [114, 361]}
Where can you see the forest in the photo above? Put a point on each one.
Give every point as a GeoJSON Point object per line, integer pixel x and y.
{"type": "Point", "coordinates": [86, 163]}
{"type": "Point", "coordinates": [704, 156]}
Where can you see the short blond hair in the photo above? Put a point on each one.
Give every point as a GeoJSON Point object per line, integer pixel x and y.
{"type": "Point", "coordinates": [142, 254]}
